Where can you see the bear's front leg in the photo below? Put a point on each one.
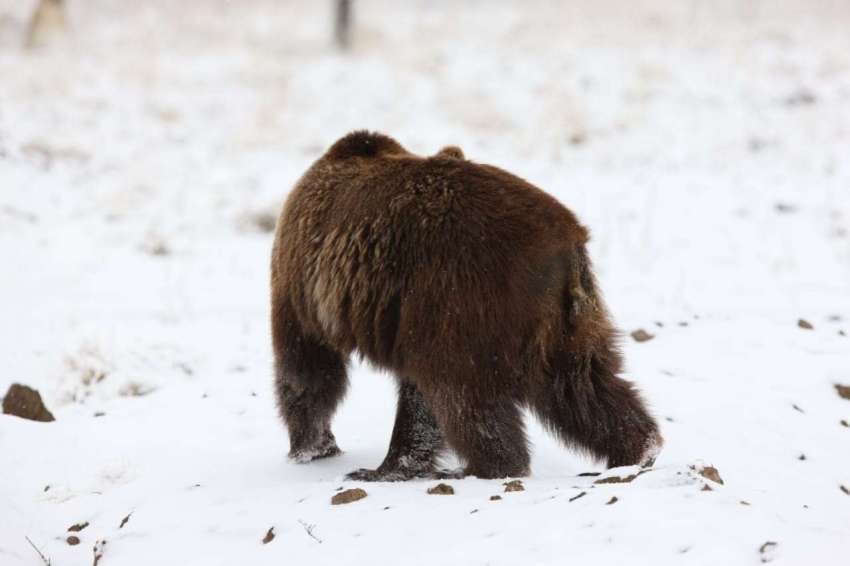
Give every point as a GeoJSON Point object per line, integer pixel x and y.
{"type": "Point", "coordinates": [415, 444]}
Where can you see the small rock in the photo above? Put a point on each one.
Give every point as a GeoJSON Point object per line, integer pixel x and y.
{"type": "Point", "coordinates": [801, 457]}
{"type": "Point", "coordinates": [348, 496]}
{"type": "Point", "coordinates": [641, 335]}
{"type": "Point", "coordinates": [612, 501]}
{"type": "Point", "coordinates": [711, 473]}
{"type": "Point", "coordinates": [495, 498]}
{"type": "Point", "coordinates": [25, 402]}
{"type": "Point", "coordinates": [797, 408]}
{"type": "Point", "coordinates": [744, 503]}
{"type": "Point", "coordinates": [706, 487]}
{"type": "Point", "coordinates": [124, 521]}
{"type": "Point", "coordinates": [845, 424]}
{"type": "Point", "coordinates": [77, 527]}
{"type": "Point", "coordinates": [269, 536]}
{"type": "Point", "coordinates": [441, 489]}
{"type": "Point", "coordinates": [514, 485]}
{"type": "Point", "coordinates": [843, 391]}
{"type": "Point", "coordinates": [844, 489]}
{"type": "Point", "coordinates": [73, 540]}
{"type": "Point", "coordinates": [805, 324]}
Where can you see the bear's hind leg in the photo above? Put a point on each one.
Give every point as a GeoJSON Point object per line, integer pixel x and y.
{"type": "Point", "coordinates": [486, 430]}
{"type": "Point", "coordinates": [415, 443]}
{"type": "Point", "coordinates": [588, 406]}
{"type": "Point", "coordinates": [310, 381]}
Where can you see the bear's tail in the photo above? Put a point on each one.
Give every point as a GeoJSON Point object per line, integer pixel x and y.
{"type": "Point", "coordinates": [583, 400]}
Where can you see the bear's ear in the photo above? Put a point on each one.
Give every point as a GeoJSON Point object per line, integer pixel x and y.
{"type": "Point", "coordinates": [452, 151]}
{"type": "Point", "coordinates": [363, 143]}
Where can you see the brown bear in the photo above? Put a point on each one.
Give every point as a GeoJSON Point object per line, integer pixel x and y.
{"type": "Point", "coordinates": [471, 286]}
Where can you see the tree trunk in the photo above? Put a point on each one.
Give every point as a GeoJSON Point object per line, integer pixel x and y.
{"type": "Point", "coordinates": [342, 24]}
{"type": "Point", "coordinates": [47, 23]}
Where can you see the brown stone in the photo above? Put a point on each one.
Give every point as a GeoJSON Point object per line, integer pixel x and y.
{"type": "Point", "coordinates": [641, 335]}
{"type": "Point", "coordinates": [441, 489]}
{"type": "Point", "coordinates": [711, 473]}
{"type": "Point", "coordinates": [348, 496]}
{"type": "Point", "coordinates": [25, 402]}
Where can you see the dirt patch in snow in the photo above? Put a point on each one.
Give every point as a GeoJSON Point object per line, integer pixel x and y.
{"type": "Point", "coordinates": [621, 479]}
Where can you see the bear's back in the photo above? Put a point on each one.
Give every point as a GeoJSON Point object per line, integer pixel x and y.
{"type": "Point", "coordinates": [386, 252]}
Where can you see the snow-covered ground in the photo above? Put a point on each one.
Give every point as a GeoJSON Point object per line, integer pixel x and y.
{"type": "Point", "coordinates": [706, 145]}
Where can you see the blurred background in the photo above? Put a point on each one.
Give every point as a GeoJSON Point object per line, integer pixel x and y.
{"type": "Point", "coordinates": [146, 149]}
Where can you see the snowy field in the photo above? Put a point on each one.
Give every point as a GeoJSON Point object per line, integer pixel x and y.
{"type": "Point", "coordinates": [144, 157]}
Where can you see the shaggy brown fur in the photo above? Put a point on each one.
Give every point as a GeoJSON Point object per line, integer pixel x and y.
{"type": "Point", "coordinates": [471, 286]}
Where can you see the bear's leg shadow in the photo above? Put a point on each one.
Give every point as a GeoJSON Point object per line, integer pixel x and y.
{"type": "Point", "coordinates": [311, 380]}
{"type": "Point", "coordinates": [486, 430]}
{"type": "Point", "coordinates": [589, 407]}
{"type": "Point", "coordinates": [415, 443]}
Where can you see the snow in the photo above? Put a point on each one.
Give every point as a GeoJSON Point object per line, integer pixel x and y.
{"type": "Point", "coordinates": [705, 145]}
